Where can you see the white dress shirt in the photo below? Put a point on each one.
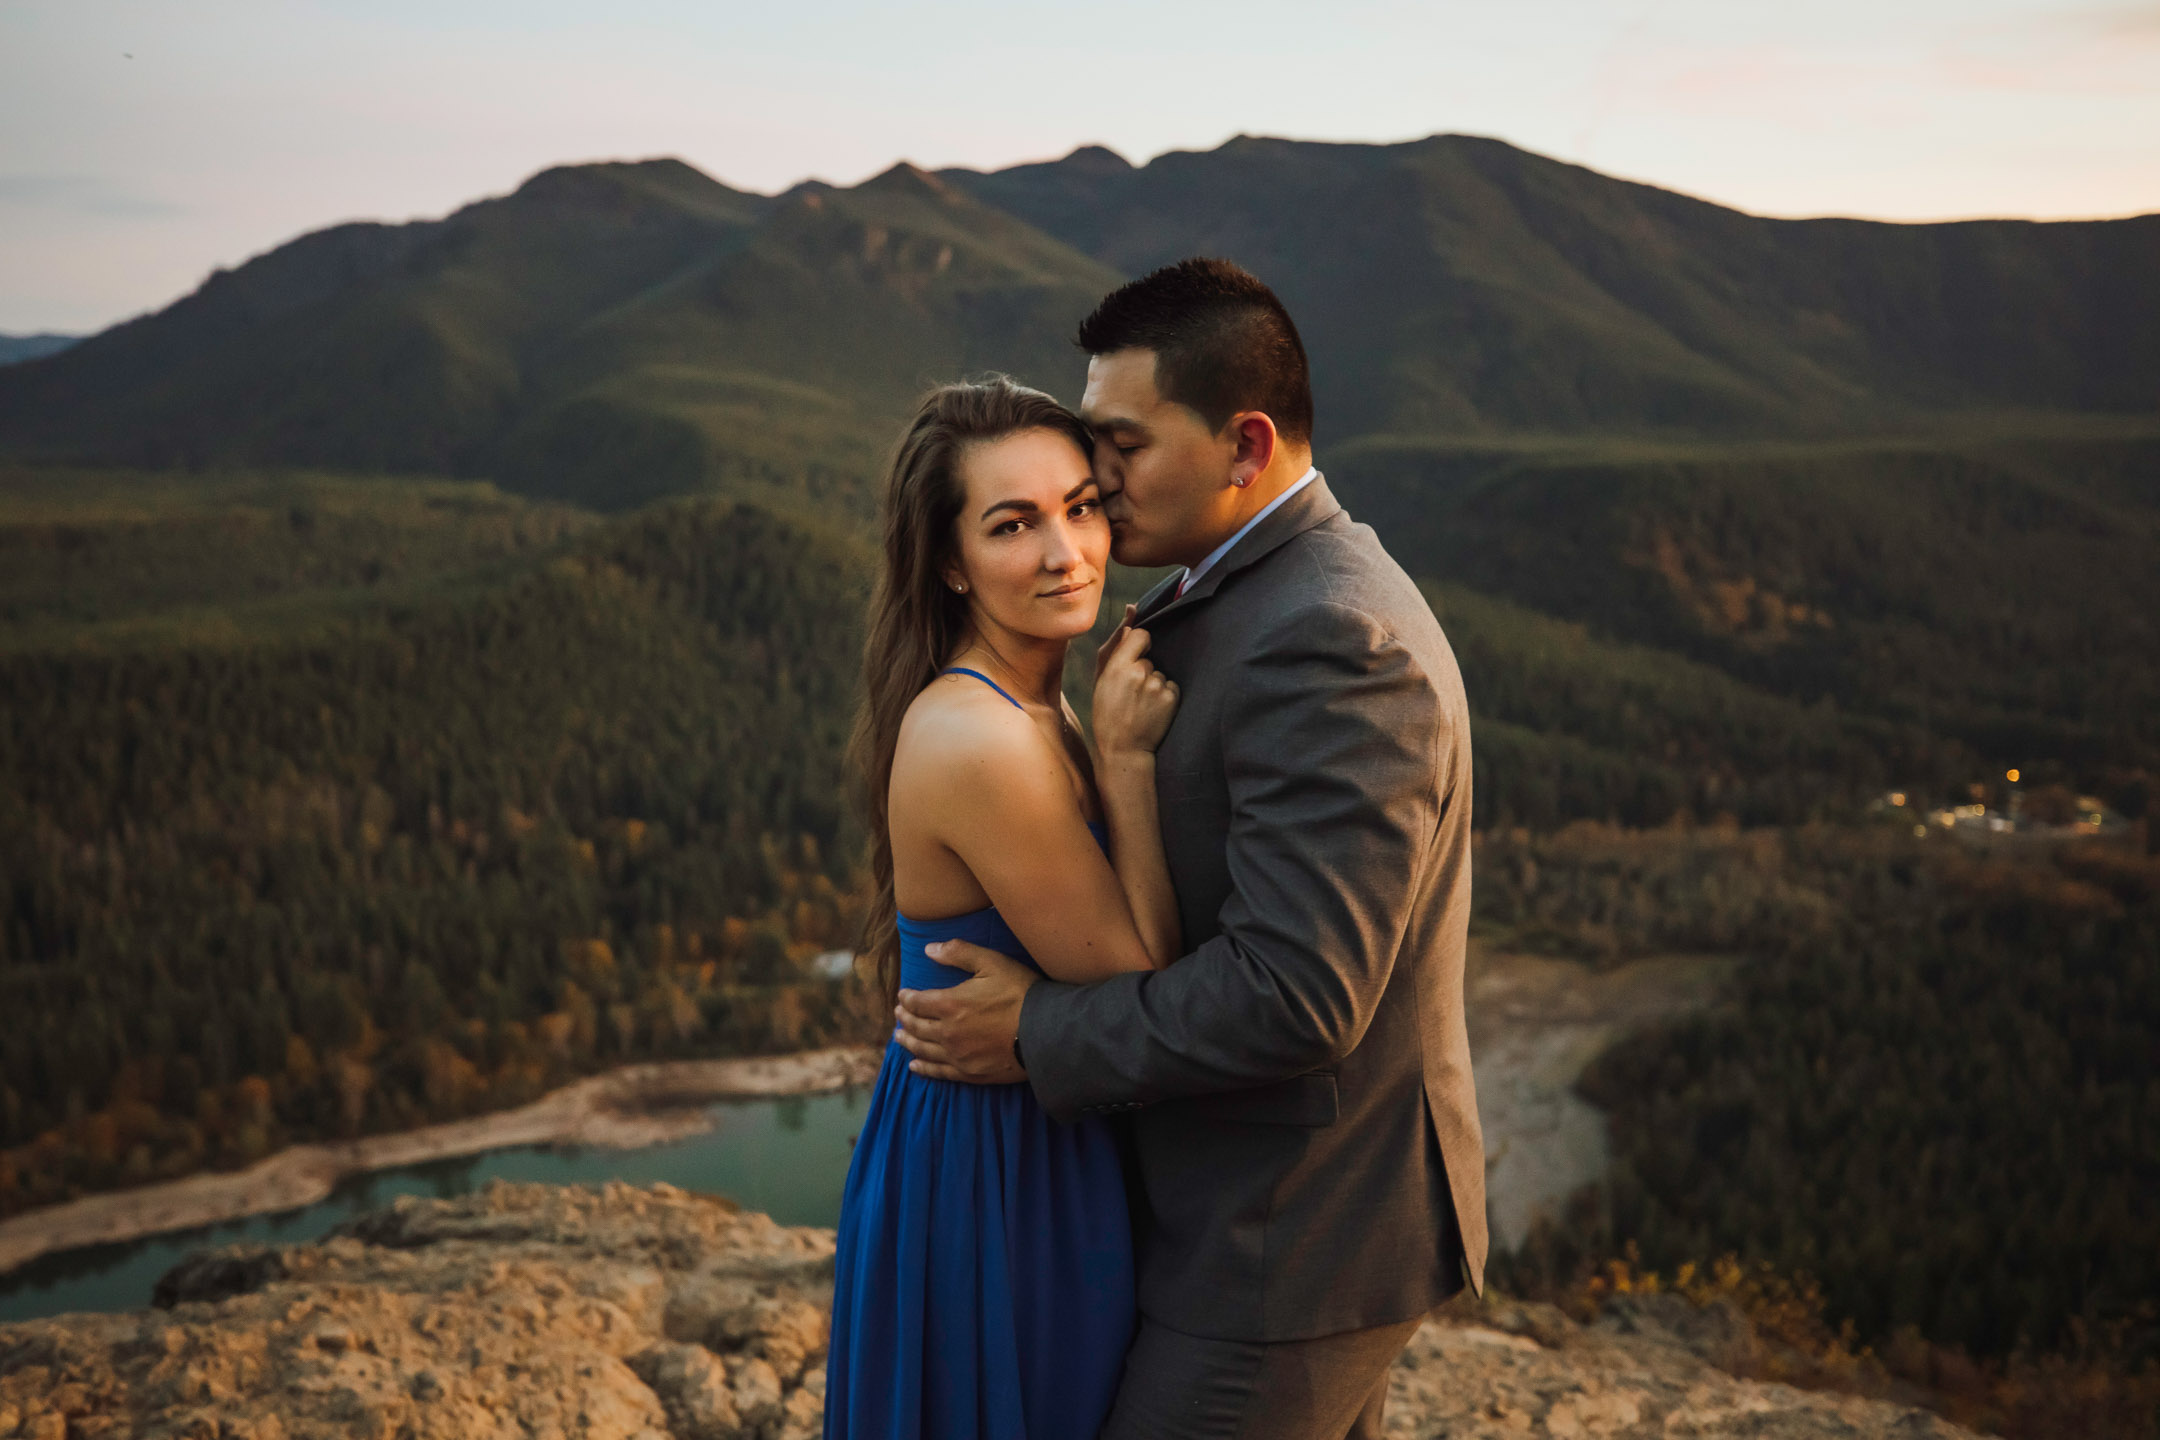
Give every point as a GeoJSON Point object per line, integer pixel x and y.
{"type": "Point", "coordinates": [1185, 581]}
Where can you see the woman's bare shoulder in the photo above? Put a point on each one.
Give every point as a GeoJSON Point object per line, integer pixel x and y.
{"type": "Point", "coordinates": [958, 727]}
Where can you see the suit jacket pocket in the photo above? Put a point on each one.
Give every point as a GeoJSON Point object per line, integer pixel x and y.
{"type": "Point", "coordinates": [1310, 1099]}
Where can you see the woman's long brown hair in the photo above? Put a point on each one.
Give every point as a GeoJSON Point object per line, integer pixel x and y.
{"type": "Point", "coordinates": [917, 624]}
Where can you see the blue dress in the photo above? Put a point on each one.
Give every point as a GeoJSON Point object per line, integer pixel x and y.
{"type": "Point", "coordinates": [983, 1287]}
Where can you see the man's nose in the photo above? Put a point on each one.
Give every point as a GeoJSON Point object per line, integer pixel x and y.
{"type": "Point", "coordinates": [1108, 477]}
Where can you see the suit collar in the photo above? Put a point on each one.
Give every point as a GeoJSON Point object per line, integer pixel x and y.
{"type": "Point", "coordinates": [1162, 592]}
{"type": "Point", "coordinates": [1301, 512]}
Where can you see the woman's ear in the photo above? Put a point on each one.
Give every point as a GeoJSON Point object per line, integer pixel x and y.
{"type": "Point", "coordinates": [955, 581]}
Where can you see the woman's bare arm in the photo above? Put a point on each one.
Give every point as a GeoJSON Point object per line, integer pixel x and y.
{"type": "Point", "coordinates": [1134, 704]}
{"type": "Point", "coordinates": [979, 779]}
{"type": "Point", "coordinates": [1136, 849]}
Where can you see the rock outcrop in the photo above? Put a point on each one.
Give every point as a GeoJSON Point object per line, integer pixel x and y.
{"type": "Point", "coordinates": [522, 1310]}
{"type": "Point", "coordinates": [1509, 1370]}
{"type": "Point", "coordinates": [618, 1313]}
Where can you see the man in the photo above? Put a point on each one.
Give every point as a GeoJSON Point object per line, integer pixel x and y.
{"type": "Point", "coordinates": [1310, 1168]}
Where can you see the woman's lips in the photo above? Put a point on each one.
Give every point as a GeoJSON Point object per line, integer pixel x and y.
{"type": "Point", "coordinates": [1066, 590]}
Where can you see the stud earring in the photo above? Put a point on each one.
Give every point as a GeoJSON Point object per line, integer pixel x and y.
{"type": "Point", "coordinates": [958, 588]}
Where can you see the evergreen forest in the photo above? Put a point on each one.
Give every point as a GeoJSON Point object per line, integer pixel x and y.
{"type": "Point", "coordinates": [294, 866]}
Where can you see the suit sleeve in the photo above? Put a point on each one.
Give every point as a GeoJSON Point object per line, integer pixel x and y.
{"type": "Point", "coordinates": [1331, 754]}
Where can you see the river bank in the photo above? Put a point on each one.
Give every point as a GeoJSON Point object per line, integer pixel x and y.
{"type": "Point", "coordinates": [635, 1106]}
{"type": "Point", "coordinates": [1535, 1022]}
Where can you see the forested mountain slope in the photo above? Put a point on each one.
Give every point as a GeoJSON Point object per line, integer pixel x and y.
{"type": "Point", "coordinates": [612, 332]}
{"type": "Point", "coordinates": [290, 863]}
{"type": "Point", "coordinates": [1778, 448]}
{"type": "Point", "coordinates": [606, 334]}
{"type": "Point", "coordinates": [1997, 592]}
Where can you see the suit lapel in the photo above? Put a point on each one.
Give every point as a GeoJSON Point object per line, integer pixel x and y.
{"type": "Point", "coordinates": [1311, 506]}
{"type": "Point", "coordinates": [1164, 591]}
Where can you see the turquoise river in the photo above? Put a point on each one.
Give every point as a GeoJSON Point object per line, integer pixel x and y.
{"type": "Point", "coordinates": [786, 1157]}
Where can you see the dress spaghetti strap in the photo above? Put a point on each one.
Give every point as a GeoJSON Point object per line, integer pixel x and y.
{"type": "Point", "coordinates": [963, 670]}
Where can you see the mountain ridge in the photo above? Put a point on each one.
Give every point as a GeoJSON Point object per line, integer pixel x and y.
{"type": "Point", "coordinates": [612, 334]}
{"type": "Point", "coordinates": [508, 338]}
{"type": "Point", "coordinates": [1584, 234]}
{"type": "Point", "coordinates": [1454, 285]}
{"type": "Point", "coordinates": [17, 348]}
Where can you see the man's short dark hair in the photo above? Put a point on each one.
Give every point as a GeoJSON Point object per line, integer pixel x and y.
{"type": "Point", "coordinates": [1223, 343]}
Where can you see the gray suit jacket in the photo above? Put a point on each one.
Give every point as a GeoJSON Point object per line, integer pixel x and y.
{"type": "Point", "coordinates": [1306, 1129]}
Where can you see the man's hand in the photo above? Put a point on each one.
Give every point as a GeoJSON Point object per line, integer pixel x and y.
{"type": "Point", "coordinates": [966, 1032]}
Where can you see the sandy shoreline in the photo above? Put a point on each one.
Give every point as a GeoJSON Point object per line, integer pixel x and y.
{"type": "Point", "coordinates": [1536, 1023]}
{"type": "Point", "coordinates": [636, 1105]}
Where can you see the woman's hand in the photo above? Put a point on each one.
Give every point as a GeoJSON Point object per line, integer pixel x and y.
{"type": "Point", "coordinates": [1104, 651]}
{"type": "Point", "coordinates": [1134, 702]}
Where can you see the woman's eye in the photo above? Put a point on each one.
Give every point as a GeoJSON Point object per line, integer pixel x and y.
{"type": "Point", "coordinates": [1010, 527]}
{"type": "Point", "coordinates": [1085, 508]}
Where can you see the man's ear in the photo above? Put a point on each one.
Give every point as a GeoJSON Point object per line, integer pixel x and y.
{"type": "Point", "coordinates": [1254, 435]}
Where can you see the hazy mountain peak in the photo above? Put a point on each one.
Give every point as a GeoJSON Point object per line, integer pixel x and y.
{"type": "Point", "coordinates": [1090, 164]}
{"type": "Point", "coordinates": [14, 348]}
{"type": "Point", "coordinates": [806, 195]}
{"type": "Point", "coordinates": [907, 178]}
{"type": "Point", "coordinates": [1097, 157]}
{"type": "Point", "coordinates": [666, 181]}
{"type": "Point", "coordinates": [1246, 146]}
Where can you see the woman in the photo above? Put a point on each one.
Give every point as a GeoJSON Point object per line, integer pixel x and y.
{"type": "Point", "coordinates": [984, 1283]}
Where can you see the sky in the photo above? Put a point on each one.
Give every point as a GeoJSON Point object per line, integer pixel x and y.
{"type": "Point", "coordinates": [145, 142]}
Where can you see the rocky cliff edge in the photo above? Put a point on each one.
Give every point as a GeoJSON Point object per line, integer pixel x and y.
{"type": "Point", "coordinates": [618, 1313]}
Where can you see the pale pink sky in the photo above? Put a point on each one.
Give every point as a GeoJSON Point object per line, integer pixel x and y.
{"type": "Point", "coordinates": [143, 142]}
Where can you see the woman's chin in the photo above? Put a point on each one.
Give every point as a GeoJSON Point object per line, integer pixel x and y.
{"type": "Point", "coordinates": [1064, 617]}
